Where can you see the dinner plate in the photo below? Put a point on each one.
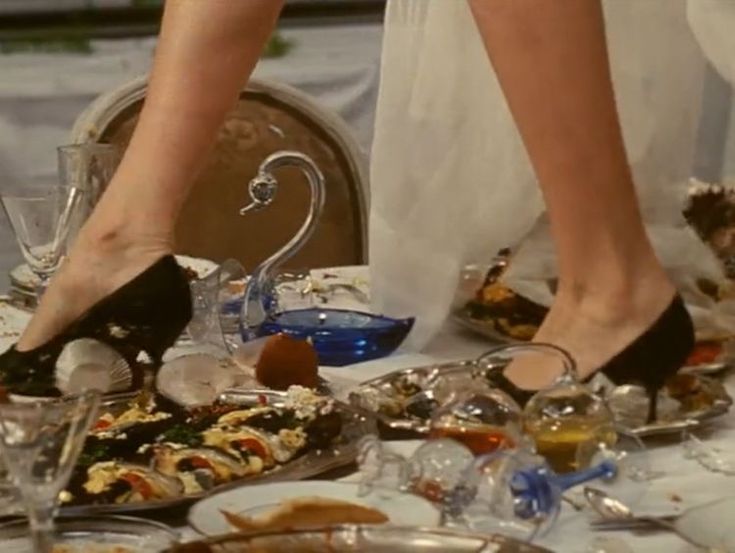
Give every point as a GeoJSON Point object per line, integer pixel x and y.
{"type": "Point", "coordinates": [401, 508]}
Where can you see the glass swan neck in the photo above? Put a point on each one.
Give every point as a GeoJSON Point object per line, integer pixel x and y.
{"type": "Point", "coordinates": [259, 301]}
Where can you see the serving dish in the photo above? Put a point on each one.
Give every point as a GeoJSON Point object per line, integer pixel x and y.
{"type": "Point", "coordinates": [488, 308]}
{"type": "Point", "coordinates": [687, 401]}
{"type": "Point", "coordinates": [248, 436]}
{"type": "Point", "coordinates": [108, 534]}
{"type": "Point", "coordinates": [403, 401]}
{"type": "Point", "coordinates": [362, 539]}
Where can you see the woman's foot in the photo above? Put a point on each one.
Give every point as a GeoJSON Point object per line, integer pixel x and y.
{"type": "Point", "coordinates": [593, 328]}
{"type": "Point", "coordinates": [94, 268]}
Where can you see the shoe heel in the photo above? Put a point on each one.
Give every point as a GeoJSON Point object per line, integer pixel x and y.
{"type": "Point", "coordinates": [652, 404]}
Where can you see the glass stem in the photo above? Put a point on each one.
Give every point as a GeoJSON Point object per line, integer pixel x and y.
{"type": "Point", "coordinates": [41, 523]}
{"type": "Point", "coordinates": [606, 469]}
{"type": "Point", "coordinates": [43, 280]}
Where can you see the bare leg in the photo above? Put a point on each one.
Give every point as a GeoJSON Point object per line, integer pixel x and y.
{"type": "Point", "coordinates": [552, 63]}
{"type": "Point", "coordinates": [205, 54]}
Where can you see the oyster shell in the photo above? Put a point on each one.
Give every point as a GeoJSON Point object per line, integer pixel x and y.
{"type": "Point", "coordinates": [198, 379]}
{"type": "Point", "coordinates": [203, 467]}
{"type": "Point", "coordinates": [142, 483]}
{"type": "Point", "coordinates": [87, 364]}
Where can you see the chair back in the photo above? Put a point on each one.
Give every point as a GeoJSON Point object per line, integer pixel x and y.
{"type": "Point", "coordinates": [268, 117]}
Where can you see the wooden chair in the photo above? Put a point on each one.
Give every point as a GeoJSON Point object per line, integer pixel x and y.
{"type": "Point", "coordinates": [268, 117]}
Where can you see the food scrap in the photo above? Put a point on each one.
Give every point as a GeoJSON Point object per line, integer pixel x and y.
{"type": "Point", "coordinates": [285, 362]}
{"type": "Point", "coordinates": [307, 512]}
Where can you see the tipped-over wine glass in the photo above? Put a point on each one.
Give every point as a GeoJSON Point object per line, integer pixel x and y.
{"type": "Point", "coordinates": [40, 443]}
{"type": "Point", "coordinates": [517, 492]}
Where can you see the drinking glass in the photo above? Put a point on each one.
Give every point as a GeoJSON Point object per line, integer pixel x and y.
{"type": "Point", "coordinates": [41, 217]}
{"type": "Point", "coordinates": [88, 167]}
{"type": "Point", "coordinates": [293, 290]}
{"type": "Point", "coordinates": [216, 301]}
{"type": "Point", "coordinates": [40, 443]}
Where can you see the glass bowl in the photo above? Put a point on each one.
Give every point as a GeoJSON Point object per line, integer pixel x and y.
{"type": "Point", "coordinates": [95, 535]}
{"type": "Point", "coordinates": [341, 337]}
{"type": "Point", "coordinates": [362, 539]}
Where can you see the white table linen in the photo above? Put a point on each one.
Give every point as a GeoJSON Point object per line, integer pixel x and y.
{"type": "Point", "coordinates": [683, 482]}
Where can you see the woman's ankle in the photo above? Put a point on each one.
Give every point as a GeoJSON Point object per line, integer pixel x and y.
{"type": "Point", "coordinates": [112, 239]}
{"type": "Point", "coordinates": [615, 297]}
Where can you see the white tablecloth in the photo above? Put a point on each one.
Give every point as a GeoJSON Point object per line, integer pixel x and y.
{"type": "Point", "coordinates": [683, 483]}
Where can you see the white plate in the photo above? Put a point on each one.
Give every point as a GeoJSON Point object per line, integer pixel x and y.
{"type": "Point", "coordinates": [402, 509]}
{"type": "Point", "coordinates": [24, 278]}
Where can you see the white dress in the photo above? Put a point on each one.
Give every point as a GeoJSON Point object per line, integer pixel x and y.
{"type": "Point", "coordinates": [450, 180]}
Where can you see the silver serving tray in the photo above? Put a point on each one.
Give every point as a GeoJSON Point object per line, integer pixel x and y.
{"type": "Point", "coordinates": [422, 374]}
{"type": "Point", "coordinates": [683, 420]}
{"type": "Point", "coordinates": [482, 328]}
{"type": "Point", "coordinates": [356, 424]}
{"type": "Point", "coordinates": [487, 330]}
{"type": "Point", "coordinates": [364, 539]}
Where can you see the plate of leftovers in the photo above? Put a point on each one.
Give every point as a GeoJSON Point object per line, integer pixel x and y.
{"type": "Point", "coordinates": [296, 505]}
{"type": "Point", "coordinates": [504, 316]}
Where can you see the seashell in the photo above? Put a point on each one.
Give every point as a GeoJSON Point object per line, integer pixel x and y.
{"type": "Point", "coordinates": [198, 379]}
{"type": "Point", "coordinates": [102, 476]}
{"type": "Point", "coordinates": [87, 364]}
{"type": "Point", "coordinates": [172, 462]}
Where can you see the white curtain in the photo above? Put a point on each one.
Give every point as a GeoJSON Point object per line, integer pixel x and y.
{"type": "Point", "coordinates": [451, 182]}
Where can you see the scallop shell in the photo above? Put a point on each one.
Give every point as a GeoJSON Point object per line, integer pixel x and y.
{"type": "Point", "coordinates": [165, 487]}
{"type": "Point", "coordinates": [86, 364]}
{"type": "Point", "coordinates": [226, 467]}
{"type": "Point", "coordinates": [197, 379]}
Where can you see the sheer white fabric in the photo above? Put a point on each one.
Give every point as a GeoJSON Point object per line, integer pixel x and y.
{"type": "Point", "coordinates": [451, 182]}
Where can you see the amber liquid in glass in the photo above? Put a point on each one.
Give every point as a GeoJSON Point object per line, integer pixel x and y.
{"type": "Point", "coordinates": [564, 446]}
{"type": "Point", "coordinates": [478, 439]}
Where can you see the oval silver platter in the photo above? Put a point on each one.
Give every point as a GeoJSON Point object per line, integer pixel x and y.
{"type": "Point", "coordinates": [675, 420]}
{"type": "Point", "coordinates": [356, 424]}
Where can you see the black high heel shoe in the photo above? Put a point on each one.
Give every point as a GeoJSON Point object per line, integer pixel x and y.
{"type": "Point", "coordinates": [649, 360]}
{"type": "Point", "coordinates": [145, 315]}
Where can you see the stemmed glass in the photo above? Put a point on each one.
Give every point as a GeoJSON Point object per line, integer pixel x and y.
{"type": "Point", "coordinates": [40, 443]}
{"type": "Point", "coordinates": [89, 167]}
{"type": "Point", "coordinates": [41, 217]}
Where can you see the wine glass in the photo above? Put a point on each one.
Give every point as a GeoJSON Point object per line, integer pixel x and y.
{"type": "Point", "coordinates": [41, 217]}
{"type": "Point", "coordinates": [481, 417]}
{"type": "Point", "coordinates": [89, 167]}
{"type": "Point", "coordinates": [562, 417]}
{"type": "Point", "coordinates": [40, 443]}
{"type": "Point", "coordinates": [517, 492]}
{"type": "Point", "coordinates": [216, 301]}
{"type": "Point", "coordinates": [433, 471]}
{"type": "Point", "coordinates": [293, 290]}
